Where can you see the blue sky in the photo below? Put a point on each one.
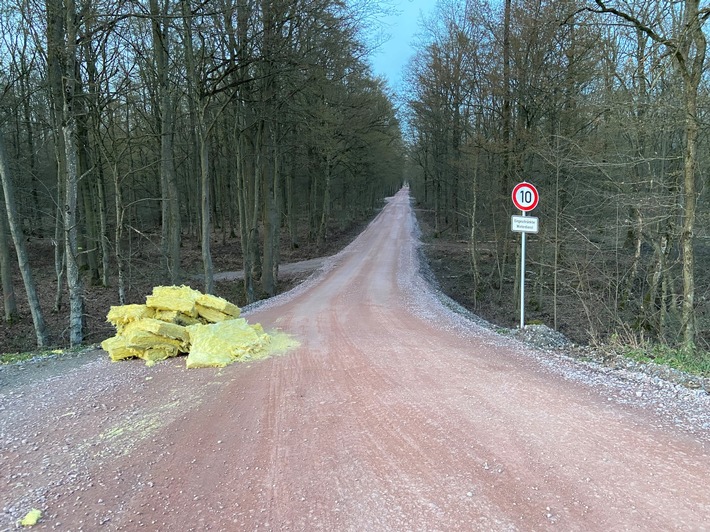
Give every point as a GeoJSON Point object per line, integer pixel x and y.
{"type": "Point", "coordinates": [394, 54]}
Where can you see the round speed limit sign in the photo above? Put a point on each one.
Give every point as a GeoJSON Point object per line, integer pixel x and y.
{"type": "Point", "coordinates": [525, 196]}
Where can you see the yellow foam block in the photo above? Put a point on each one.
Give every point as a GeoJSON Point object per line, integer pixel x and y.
{"type": "Point", "coordinates": [159, 352]}
{"type": "Point", "coordinates": [179, 298]}
{"type": "Point", "coordinates": [142, 340]}
{"type": "Point", "coordinates": [218, 303]}
{"type": "Point", "coordinates": [173, 316]}
{"type": "Point", "coordinates": [159, 328]}
{"type": "Point", "coordinates": [118, 349]}
{"type": "Point", "coordinates": [211, 315]}
{"type": "Point", "coordinates": [205, 358]}
{"type": "Point", "coordinates": [122, 315]}
{"type": "Point", "coordinates": [219, 344]}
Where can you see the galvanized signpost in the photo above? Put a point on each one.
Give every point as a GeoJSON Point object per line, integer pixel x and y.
{"type": "Point", "coordinates": [525, 198]}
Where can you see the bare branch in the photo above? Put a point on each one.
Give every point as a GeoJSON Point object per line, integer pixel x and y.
{"type": "Point", "coordinates": [635, 22]}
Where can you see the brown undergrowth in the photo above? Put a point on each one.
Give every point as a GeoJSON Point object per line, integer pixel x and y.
{"type": "Point", "coordinates": [448, 259]}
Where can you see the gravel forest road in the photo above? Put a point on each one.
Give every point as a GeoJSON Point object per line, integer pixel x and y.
{"type": "Point", "coordinates": [395, 413]}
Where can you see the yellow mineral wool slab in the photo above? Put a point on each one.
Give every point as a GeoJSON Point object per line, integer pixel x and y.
{"type": "Point", "coordinates": [141, 339]}
{"type": "Point", "coordinates": [118, 349]}
{"type": "Point", "coordinates": [173, 316]}
{"type": "Point", "coordinates": [121, 315]}
{"type": "Point", "coordinates": [166, 315]}
{"type": "Point", "coordinates": [219, 344]}
{"type": "Point", "coordinates": [260, 345]}
{"type": "Point", "coordinates": [205, 358]}
{"type": "Point", "coordinates": [180, 298]}
{"type": "Point", "coordinates": [211, 315]}
{"type": "Point", "coordinates": [158, 353]}
{"type": "Point", "coordinates": [218, 303]}
{"type": "Point", "coordinates": [161, 328]}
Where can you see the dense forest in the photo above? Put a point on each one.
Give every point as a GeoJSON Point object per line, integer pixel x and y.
{"type": "Point", "coordinates": [601, 105]}
{"type": "Point", "coordinates": [133, 121]}
{"type": "Point", "coordinates": [126, 122]}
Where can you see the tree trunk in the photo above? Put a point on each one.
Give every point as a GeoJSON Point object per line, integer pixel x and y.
{"type": "Point", "coordinates": [55, 48]}
{"type": "Point", "coordinates": [474, 235]}
{"type": "Point", "coordinates": [689, 204]}
{"type": "Point", "coordinates": [276, 218]}
{"type": "Point", "coordinates": [71, 189]}
{"type": "Point", "coordinates": [103, 228]}
{"type": "Point", "coordinates": [325, 213]}
{"type": "Point", "coordinates": [118, 237]}
{"type": "Point", "coordinates": [507, 108]}
{"type": "Point", "coordinates": [8, 288]}
{"type": "Point", "coordinates": [71, 246]}
{"type": "Point", "coordinates": [291, 210]}
{"type": "Point", "coordinates": [312, 198]}
{"type": "Point", "coordinates": [19, 241]}
{"type": "Point", "coordinates": [203, 131]}
{"type": "Point", "coordinates": [272, 220]}
{"type": "Point", "coordinates": [59, 257]}
{"type": "Point", "coordinates": [692, 50]}
{"type": "Point", "coordinates": [90, 238]}
{"type": "Point", "coordinates": [243, 208]}
{"type": "Point", "coordinates": [168, 177]}
{"type": "Point", "coordinates": [25, 95]}
{"type": "Point", "coordinates": [256, 190]}
{"type": "Point", "coordinates": [268, 284]}
{"type": "Point", "coordinates": [93, 140]}
{"type": "Point", "coordinates": [205, 209]}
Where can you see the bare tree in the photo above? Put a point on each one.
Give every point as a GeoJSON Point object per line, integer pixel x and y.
{"type": "Point", "coordinates": [71, 186]}
{"type": "Point", "coordinates": [168, 177]}
{"type": "Point", "coordinates": [8, 289]}
{"type": "Point", "coordinates": [687, 44]}
{"type": "Point", "coordinates": [19, 240]}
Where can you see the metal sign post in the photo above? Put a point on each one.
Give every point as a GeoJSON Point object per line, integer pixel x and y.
{"type": "Point", "coordinates": [525, 198]}
{"type": "Point", "coordinates": [522, 278]}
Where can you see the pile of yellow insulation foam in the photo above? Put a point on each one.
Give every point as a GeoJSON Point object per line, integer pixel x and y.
{"type": "Point", "coordinates": [177, 320]}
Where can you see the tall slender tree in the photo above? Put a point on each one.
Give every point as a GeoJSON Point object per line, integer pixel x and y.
{"type": "Point", "coordinates": [8, 288]}
{"type": "Point", "coordinates": [160, 19]}
{"type": "Point", "coordinates": [20, 249]}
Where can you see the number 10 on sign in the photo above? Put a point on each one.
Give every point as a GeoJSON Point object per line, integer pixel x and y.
{"type": "Point", "coordinates": [525, 198]}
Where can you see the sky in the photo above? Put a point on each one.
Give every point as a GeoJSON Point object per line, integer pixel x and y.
{"type": "Point", "coordinates": [390, 60]}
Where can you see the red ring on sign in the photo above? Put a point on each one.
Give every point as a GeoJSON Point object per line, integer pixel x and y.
{"type": "Point", "coordinates": [529, 196]}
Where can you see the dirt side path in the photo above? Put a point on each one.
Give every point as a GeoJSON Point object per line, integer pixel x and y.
{"type": "Point", "coordinates": [393, 414]}
{"type": "Point", "coordinates": [288, 270]}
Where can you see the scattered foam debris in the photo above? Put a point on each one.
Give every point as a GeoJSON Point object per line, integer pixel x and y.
{"type": "Point", "coordinates": [32, 517]}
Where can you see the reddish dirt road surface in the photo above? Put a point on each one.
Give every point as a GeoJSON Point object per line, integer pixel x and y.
{"type": "Point", "coordinates": [393, 414]}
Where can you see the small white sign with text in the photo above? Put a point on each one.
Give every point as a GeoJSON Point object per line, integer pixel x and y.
{"type": "Point", "coordinates": [524, 224]}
